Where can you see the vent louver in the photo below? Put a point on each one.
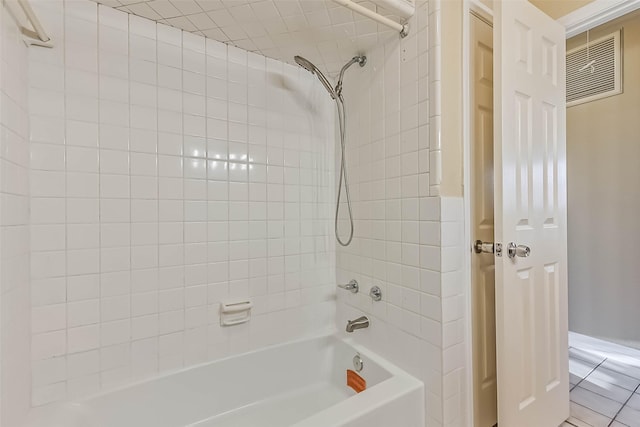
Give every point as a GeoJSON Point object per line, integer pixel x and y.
{"type": "Point", "coordinates": [604, 79]}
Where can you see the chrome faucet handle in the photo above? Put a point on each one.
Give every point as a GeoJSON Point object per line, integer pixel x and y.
{"type": "Point", "coordinates": [375, 293]}
{"type": "Point", "coordinates": [352, 286]}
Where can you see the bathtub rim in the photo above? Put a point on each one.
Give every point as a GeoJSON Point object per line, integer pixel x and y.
{"type": "Point", "coordinates": [397, 384]}
{"type": "Point", "coordinates": [392, 369]}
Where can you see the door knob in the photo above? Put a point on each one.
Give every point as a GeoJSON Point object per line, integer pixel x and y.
{"type": "Point", "coordinates": [521, 251]}
{"type": "Point", "coordinates": [481, 247]}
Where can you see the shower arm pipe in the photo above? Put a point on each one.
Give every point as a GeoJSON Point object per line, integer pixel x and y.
{"type": "Point", "coordinates": [403, 29]}
{"type": "Point", "coordinates": [356, 59]}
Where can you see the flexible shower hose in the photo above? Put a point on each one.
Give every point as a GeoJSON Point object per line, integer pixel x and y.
{"type": "Point", "coordinates": [342, 119]}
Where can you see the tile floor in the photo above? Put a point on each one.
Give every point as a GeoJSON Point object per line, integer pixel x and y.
{"type": "Point", "coordinates": [605, 384]}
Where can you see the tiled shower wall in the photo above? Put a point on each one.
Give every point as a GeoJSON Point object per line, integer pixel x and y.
{"type": "Point", "coordinates": [407, 238]}
{"type": "Point", "coordinates": [169, 172]}
{"type": "Point", "coordinates": [14, 224]}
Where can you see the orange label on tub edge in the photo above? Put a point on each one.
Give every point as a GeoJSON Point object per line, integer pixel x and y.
{"type": "Point", "coordinates": [355, 381]}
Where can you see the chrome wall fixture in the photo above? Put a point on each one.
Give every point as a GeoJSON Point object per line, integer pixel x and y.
{"type": "Point", "coordinates": [336, 95]}
{"type": "Point", "coordinates": [358, 363]}
{"type": "Point", "coordinates": [352, 286]}
{"type": "Point", "coordinates": [359, 323]}
{"type": "Point", "coordinates": [375, 293]}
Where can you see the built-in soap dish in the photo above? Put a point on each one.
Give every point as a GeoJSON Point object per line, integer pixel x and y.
{"type": "Point", "coordinates": [235, 312]}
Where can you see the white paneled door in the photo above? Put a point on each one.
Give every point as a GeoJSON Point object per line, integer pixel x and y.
{"type": "Point", "coordinates": [482, 223]}
{"type": "Point", "coordinates": [530, 212]}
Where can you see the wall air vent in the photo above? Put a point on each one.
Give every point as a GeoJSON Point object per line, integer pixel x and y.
{"type": "Point", "coordinates": [594, 70]}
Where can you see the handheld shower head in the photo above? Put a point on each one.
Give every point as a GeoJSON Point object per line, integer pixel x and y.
{"type": "Point", "coordinates": [305, 63]}
{"type": "Point", "coordinates": [308, 65]}
{"type": "Point", "coordinates": [336, 94]}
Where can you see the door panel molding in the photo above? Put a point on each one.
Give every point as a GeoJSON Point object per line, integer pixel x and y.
{"type": "Point", "coordinates": [530, 209]}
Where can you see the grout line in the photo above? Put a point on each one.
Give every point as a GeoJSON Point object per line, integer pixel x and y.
{"type": "Point", "coordinates": [624, 405]}
{"type": "Point", "coordinates": [130, 188]}
{"type": "Point", "coordinates": [619, 410]}
{"type": "Point", "coordinates": [185, 202]}
{"type": "Point", "coordinates": [589, 409]}
{"type": "Point", "coordinates": [590, 372]}
{"type": "Point", "coordinates": [100, 222]}
{"type": "Point", "coordinates": [207, 219]}
{"type": "Point", "coordinates": [66, 201]}
{"type": "Point", "coordinates": [156, 154]}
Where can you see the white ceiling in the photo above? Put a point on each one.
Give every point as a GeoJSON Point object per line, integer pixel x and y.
{"type": "Point", "coordinates": [322, 31]}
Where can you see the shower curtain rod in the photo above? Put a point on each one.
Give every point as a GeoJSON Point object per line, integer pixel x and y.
{"type": "Point", "coordinates": [38, 36]}
{"type": "Point", "coordinates": [403, 29]}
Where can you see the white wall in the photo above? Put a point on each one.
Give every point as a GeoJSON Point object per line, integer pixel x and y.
{"type": "Point", "coordinates": [169, 173]}
{"type": "Point", "coordinates": [603, 201]}
{"type": "Point", "coordinates": [139, 230]}
{"type": "Point", "coordinates": [408, 240]}
{"type": "Point", "coordinates": [14, 224]}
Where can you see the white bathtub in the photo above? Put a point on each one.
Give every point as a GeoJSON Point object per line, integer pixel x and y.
{"type": "Point", "coordinates": [299, 384]}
